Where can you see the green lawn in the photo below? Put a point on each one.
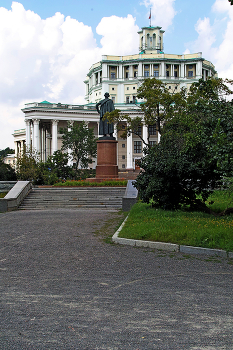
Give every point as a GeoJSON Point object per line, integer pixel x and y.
{"type": "Point", "coordinates": [182, 227]}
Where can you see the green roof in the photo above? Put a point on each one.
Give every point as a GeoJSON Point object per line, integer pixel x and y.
{"type": "Point", "coordinates": [46, 102]}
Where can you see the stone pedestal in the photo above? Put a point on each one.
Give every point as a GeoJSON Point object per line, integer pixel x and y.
{"type": "Point", "coordinates": [106, 159]}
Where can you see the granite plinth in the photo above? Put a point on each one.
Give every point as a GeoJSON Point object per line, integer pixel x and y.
{"type": "Point", "coordinates": [106, 159]}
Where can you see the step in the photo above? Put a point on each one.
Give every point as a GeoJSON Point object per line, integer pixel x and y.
{"type": "Point", "coordinates": [91, 197]}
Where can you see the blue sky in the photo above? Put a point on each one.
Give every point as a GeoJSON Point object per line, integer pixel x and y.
{"type": "Point", "coordinates": [90, 12]}
{"type": "Point", "coordinates": [47, 47]}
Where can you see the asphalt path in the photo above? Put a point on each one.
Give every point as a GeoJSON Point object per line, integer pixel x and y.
{"type": "Point", "coordinates": [64, 286]}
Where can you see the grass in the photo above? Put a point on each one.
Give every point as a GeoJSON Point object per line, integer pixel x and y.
{"type": "Point", "coordinates": [2, 194]}
{"type": "Point", "coordinates": [182, 227]}
{"type": "Point", "coordinates": [83, 183]}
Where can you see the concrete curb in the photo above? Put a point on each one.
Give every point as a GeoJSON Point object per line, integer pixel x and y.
{"type": "Point", "coordinates": [15, 196]}
{"type": "Point", "coordinates": [171, 247]}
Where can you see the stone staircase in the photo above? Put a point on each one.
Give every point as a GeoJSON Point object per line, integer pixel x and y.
{"type": "Point", "coordinates": [74, 198]}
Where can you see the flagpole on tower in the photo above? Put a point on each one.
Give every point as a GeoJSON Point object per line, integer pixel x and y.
{"type": "Point", "coordinates": [150, 17]}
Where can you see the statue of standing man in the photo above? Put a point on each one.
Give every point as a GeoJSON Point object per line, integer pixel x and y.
{"type": "Point", "coordinates": [106, 105]}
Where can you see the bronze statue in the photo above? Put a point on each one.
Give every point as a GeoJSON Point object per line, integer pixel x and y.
{"type": "Point", "coordinates": [106, 105]}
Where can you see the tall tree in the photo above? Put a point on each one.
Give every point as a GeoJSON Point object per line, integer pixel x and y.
{"type": "Point", "coordinates": [6, 151]}
{"type": "Point", "coordinates": [159, 103]}
{"type": "Point", "coordinates": [7, 173]}
{"type": "Point", "coordinates": [195, 151]}
{"type": "Point", "coordinates": [82, 143]}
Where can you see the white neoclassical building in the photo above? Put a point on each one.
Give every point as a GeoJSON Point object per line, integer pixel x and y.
{"type": "Point", "coordinates": [120, 76]}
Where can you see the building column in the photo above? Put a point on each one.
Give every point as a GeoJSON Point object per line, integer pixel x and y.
{"type": "Point", "coordinates": [54, 135]}
{"type": "Point", "coordinates": [159, 137]}
{"type": "Point", "coordinates": [204, 75]}
{"type": "Point", "coordinates": [172, 71]}
{"type": "Point", "coordinates": [182, 73]}
{"type": "Point", "coordinates": [115, 131]}
{"type": "Point", "coordinates": [70, 161]}
{"type": "Point", "coordinates": [130, 152]}
{"type": "Point", "coordinates": [144, 134]}
{"type": "Point", "coordinates": [28, 134]}
{"type": "Point", "coordinates": [139, 69]}
{"type": "Point", "coordinates": [120, 76]}
{"type": "Point", "coordinates": [36, 142]}
{"type": "Point", "coordinates": [163, 69]}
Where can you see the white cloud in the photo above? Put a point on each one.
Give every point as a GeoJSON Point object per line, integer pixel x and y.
{"type": "Point", "coordinates": [221, 6]}
{"type": "Point", "coordinates": [162, 12]}
{"type": "Point", "coordinates": [49, 59]}
{"type": "Point", "coordinates": [119, 35]}
{"type": "Point", "coordinates": [219, 54]}
{"type": "Point", "coordinates": [206, 36]}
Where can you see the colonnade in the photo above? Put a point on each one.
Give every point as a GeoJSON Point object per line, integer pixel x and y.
{"type": "Point", "coordinates": [42, 136]}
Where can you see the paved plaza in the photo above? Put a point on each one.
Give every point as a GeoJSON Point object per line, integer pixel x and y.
{"type": "Point", "coordinates": [63, 285]}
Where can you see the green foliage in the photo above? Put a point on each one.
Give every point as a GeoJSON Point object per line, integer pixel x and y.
{"type": "Point", "coordinates": [83, 183]}
{"type": "Point", "coordinates": [82, 174]}
{"type": "Point", "coordinates": [56, 167]}
{"type": "Point", "coordinates": [27, 166]}
{"type": "Point", "coordinates": [159, 104]}
{"type": "Point", "coordinates": [6, 151]}
{"type": "Point", "coordinates": [81, 140]}
{"type": "Point", "coordinates": [195, 151]}
{"type": "Point", "coordinates": [7, 173]}
{"type": "Point", "coordinates": [30, 168]}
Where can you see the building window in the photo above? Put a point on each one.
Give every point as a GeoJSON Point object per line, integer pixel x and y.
{"type": "Point", "coordinates": [135, 74]}
{"type": "Point", "coordinates": [137, 146]}
{"type": "Point", "coordinates": [167, 66]}
{"type": "Point", "coordinates": [113, 99]}
{"type": "Point", "coordinates": [190, 73]}
{"type": "Point", "coordinates": [156, 66]}
{"type": "Point", "coordinates": [134, 87]}
{"type": "Point", "coordinates": [127, 99]}
{"type": "Point", "coordinates": [127, 75]}
{"type": "Point", "coordinates": [123, 157]}
{"type": "Point", "coordinates": [146, 66]}
{"type": "Point", "coordinates": [175, 66]}
{"type": "Point", "coordinates": [123, 127]}
{"type": "Point", "coordinates": [127, 67]}
{"type": "Point", "coordinates": [152, 129]}
{"type": "Point", "coordinates": [123, 166]}
{"type": "Point", "coordinates": [123, 145]}
{"type": "Point", "coordinates": [138, 131]}
{"type": "Point", "coordinates": [113, 75]}
{"type": "Point", "coordinates": [113, 68]}
{"type": "Point", "coordinates": [113, 88]}
{"type": "Point", "coordinates": [152, 143]}
{"type": "Point", "coordinates": [134, 99]}
{"type": "Point", "coordinates": [146, 73]}
{"type": "Point", "coordinates": [175, 74]}
{"type": "Point", "coordinates": [190, 66]}
{"type": "Point", "coordinates": [156, 73]}
{"type": "Point", "coordinates": [167, 73]}
{"type": "Point", "coordinates": [135, 67]}
{"type": "Point", "coordinates": [127, 88]}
